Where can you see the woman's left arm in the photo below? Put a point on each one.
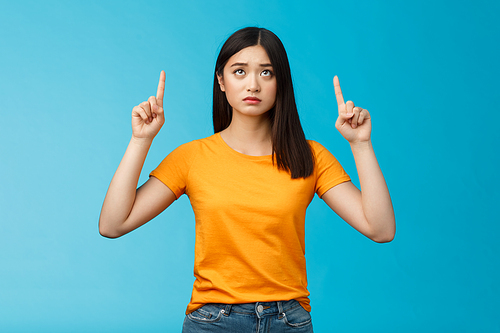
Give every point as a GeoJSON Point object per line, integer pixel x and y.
{"type": "Point", "coordinates": [370, 210]}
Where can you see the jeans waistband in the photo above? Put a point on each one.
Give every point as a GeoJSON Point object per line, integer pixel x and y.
{"type": "Point", "coordinates": [259, 309]}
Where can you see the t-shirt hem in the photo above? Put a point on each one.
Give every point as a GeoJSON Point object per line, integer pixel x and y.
{"type": "Point", "coordinates": [332, 184]}
{"type": "Point", "coordinates": [177, 192]}
{"type": "Point", "coordinates": [305, 305]}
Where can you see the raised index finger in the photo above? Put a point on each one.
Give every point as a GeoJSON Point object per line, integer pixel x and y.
{"type": "Point", "coordinates": [161, 89]}
{"type": "Point", "coordinates": [338, 91]}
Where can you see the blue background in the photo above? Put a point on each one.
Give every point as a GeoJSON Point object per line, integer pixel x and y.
{"type": "Point", "coordinates": [71, 72]}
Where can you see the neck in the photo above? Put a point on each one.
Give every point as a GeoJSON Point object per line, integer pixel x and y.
{"type": "Point", "coordinates": [249, 135]}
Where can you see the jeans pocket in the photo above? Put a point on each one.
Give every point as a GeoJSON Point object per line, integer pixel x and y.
{"type": "Point", "coordinates": [297, 317]}
{"type": "Point", "coordinates": [207, 314]}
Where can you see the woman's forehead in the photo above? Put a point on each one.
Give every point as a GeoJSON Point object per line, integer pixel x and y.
{"type": "Point", "coordinates": [252, 55]}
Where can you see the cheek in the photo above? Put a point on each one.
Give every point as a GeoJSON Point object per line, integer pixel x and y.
{"type": "Point", "coordinates": [231, 86]}
{"type": "Point", "coordinates": [230, 93]}
{"type": "Point", "coordinates": [272, 91]}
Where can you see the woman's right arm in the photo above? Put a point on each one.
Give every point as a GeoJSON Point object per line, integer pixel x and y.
{"type": "Point", "coordinates": [125, 207]}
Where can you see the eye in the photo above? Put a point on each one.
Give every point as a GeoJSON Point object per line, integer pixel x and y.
{"type": "Point", "coordinates": [266, 72]}
{"type": "Point", "coordinates": [239, 72]}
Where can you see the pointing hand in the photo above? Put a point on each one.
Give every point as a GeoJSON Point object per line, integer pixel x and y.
{"type": "Point", "coordinates": [353, 123]}
{"type": "Point", "coordinates": [148, 117]}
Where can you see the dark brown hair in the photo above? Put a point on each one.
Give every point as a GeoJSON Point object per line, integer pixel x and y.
{"type": "Point", "coordinates": [290, 148]}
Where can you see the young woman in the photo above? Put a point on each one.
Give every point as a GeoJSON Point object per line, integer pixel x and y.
{"type": "Point", "coordinates": [250, 184]}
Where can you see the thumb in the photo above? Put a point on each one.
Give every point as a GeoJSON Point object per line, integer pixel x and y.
{"type": "Point", "coordinates": [159, 115]}
{"type": "Point", "coordinates": [342, 119]}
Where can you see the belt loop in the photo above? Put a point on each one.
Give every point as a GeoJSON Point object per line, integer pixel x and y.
{"type": "Point", "coordinates": [227, 309]}
{"type": "Point", "coordinates": [280, 309]}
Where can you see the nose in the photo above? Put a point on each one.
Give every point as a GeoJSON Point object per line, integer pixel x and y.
{"type": "Point", "coordinates": [253, 83]}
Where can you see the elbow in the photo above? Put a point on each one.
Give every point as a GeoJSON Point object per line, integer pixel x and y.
{"type": "Point", "coordinates": [385, 236]}
{"type": "Point", "coordinates": [108, 232]}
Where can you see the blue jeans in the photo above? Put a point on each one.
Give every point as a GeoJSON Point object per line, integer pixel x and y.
{"type": "Point", "coordinates": [260, 317]}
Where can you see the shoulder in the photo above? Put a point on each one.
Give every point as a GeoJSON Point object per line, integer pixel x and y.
{"type": "Point", "coordinates": [182, 158]}
{"type": "Point", "coordinates": [211, 140]}
{"type": "Point", "coordinates": [315, 145]}
{"type": "Point", "coordinates": [317, 148]}
{"type": "Point", "coordinates": [322, 156]}
{"type": "Point", "coordinates": [327, 169]}
{"type": "Point", "coordinates": [196, 145]}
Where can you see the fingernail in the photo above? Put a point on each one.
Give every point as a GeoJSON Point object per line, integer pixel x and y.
{"type": "Point", "coordinates": [349, 114]}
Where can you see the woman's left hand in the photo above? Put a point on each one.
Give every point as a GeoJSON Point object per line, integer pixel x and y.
{"type": "Point", "coordinates": [354, 122]}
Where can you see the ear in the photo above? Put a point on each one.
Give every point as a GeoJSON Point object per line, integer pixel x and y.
{"type": "Point", "coordinates": [221, 82]}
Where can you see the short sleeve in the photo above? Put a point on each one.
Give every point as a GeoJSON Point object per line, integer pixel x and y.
{"type": "Point", "coordinates": [327, 169]}
{"type": "Point", "coordinates": [173, 171]}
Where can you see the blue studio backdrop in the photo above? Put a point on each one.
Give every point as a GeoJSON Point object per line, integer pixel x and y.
{"type": "Point", "coordinates": [71, 72]}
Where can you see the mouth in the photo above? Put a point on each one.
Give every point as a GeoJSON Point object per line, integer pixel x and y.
{"type": "Point", "coordinates": [252, 100]}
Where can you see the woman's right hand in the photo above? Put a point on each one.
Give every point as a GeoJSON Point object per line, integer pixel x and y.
{"type": "Point", "coordinates": [148, 117]}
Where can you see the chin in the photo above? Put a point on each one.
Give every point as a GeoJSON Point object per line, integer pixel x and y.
{"type": "Point", "coordinates": [252, 110]}
{"type": "Point", "coordinates": [253, 113]}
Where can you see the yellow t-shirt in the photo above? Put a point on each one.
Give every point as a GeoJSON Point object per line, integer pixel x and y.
{"type": "Point", "coordinates": [249, 220]}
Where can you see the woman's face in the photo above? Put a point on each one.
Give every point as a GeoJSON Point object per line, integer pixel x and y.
{"type": "Point", "coordinates": [249, 82]}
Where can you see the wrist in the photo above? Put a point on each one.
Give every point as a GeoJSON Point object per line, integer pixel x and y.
{"type": "Point", "coordinates": [361, 145]}
{"type": "Point", "coordinates": [141, 142]}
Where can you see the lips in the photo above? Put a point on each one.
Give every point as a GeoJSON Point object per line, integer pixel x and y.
{"type": "Point", "coordinates": [251, 99]}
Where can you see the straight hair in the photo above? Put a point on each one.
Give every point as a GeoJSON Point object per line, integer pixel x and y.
{"type": "Point", "coordinates": [291, 152]}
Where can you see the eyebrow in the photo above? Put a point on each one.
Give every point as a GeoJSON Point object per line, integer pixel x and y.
{"type": "Point", "coordinates": [246, 64]}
